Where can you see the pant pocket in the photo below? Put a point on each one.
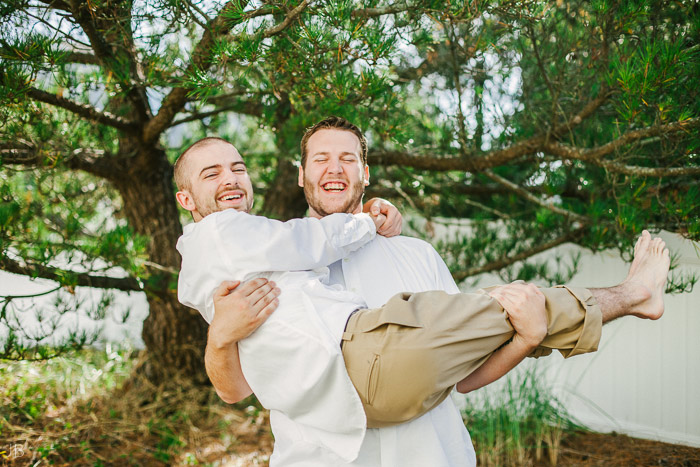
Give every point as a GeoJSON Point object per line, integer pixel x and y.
{"type": "Point", "coordinates": [373, 379]}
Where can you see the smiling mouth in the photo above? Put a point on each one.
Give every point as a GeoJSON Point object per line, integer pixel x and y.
{"type": "Point", "coordinates": [334, 187]}
{"type": "Point", "coordinates": [231, 197]}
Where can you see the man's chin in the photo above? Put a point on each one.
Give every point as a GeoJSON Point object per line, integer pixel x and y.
{"type": "Point", "coordinates": [334, 208]}
{"type": "Point", "coordinates": [242, 207]}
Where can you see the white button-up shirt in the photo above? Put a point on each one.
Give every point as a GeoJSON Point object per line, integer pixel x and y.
{"type": "Point", "coordinates": [378, 271]}
{"type": "Point", "coordinates": [293, 362]}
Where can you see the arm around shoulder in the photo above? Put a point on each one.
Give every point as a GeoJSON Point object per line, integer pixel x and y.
{"type": "Point", "coordinates": [255, 243]}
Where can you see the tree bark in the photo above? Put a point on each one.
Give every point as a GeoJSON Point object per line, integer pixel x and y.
{"type": "Point", "coordinates": [174, 335]}
{"type": "Point", "coordinates": [285, 200]}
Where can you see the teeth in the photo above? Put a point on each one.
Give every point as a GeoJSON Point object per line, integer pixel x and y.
{"type": "Point", "coordinates": [334, 186]}
{"type": "Point", "coordinates": [231, 197]}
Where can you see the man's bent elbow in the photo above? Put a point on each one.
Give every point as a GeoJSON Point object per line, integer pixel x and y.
{"type": "Point", "coordinates": [231, 397]}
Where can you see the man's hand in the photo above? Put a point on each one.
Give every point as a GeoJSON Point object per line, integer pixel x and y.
{"type": "Point", "coordinates": [241, 309]}
{"type": "Point", "coordinates": [525, 305]}
{"type": "Point", "coordinates": [381, 209]}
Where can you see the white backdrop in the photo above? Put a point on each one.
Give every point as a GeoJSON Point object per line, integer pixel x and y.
{"type": "Point", "coordinates": [645, 378]}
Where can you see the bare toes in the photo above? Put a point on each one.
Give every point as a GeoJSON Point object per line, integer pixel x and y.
{"type": "Point", "coordinates": [644, 240]}
{"type": "Point", "coordinates": [659, 247]}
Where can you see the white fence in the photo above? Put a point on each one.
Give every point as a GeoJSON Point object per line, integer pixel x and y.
{"type": "Point", "coordinates": [645, 378]}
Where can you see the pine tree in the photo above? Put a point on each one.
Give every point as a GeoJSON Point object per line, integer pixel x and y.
{"type": "Point", "coordinates": [541, 123]}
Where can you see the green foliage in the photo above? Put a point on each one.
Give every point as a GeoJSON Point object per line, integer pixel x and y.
{"type": "Point", "coordinates": [82, 409]}
{"type": "Point", "coordinates": [516, 422]}
{"type": "Point", "coordinates": [589, 109]}
{"type": "Point", "coordinates": [30, 389]}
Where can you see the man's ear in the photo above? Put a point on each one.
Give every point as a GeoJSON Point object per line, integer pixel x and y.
{"type": "Point", "coordinates": [185, 199]}
{"type": "Point", "coordinates": [366, 175]}
{"type": "Point", "coordinates": [300, 182]}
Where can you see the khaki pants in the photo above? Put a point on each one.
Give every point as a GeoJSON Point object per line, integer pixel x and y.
{"type": "Point", "coordinates": [405, 357]}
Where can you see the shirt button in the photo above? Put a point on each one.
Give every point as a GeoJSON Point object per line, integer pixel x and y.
{"type": "Point", "coordinates": [347, 260]}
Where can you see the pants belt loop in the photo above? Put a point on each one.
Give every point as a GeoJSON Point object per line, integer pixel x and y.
{"type": "Point", "coordinates": [347, 336]}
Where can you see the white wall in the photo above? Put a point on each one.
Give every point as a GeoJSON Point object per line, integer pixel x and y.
{"type": "Point", "coordinates": [113, 329]}
{"type": "Point", "coordinates": [645, 378]}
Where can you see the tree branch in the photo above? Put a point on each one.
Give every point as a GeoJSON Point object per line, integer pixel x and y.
{"type": "Point", "coordinates": [462, 128]}
{"type": "Point", "coordinates": [56, 4]}
{"type": "Point", "coordinates": [85, 111]}
{"type": "Point", "coordinates": [96, 162]}
{"type": "Point", "coordinates": [530, 197]}
{"type": "Point", "coordinates": [380, 11]}
{"type": "Point", "coordinates": [248, 108]}
{"type": "Point", "coordinates": [636, 135]}
{"type": "Point", "coordinates": [388, 191]}
{"type": "Point", "coordinates": [291, 16]}
{"type": "Point", "coordinates": [18, 153]}
{"type": "Point", "coordinates": [111, 18]}
{"type": "Point", "coordinates": [616, 167]}
{"type": "Point", "coordinates": [194, 8]}
{"type": "Point", "coordinates": [595, 155]}
{"type": "Point", "coordinates": [587, 111]}
{"type": "Point", "coordinates": [539, 144]}
{"type": "Point", "coordinates": [176, 99]}
{"type": "Point", "coordinates": [469, 164]}
{"type": "Point", "coordinates": [81, 57]}
{"type": "Point", "coordinates": [80, 279]}
{"type": "Point", "coordinates": [508, 260]}
{"type": "Point", "coordinates": [219, 27]}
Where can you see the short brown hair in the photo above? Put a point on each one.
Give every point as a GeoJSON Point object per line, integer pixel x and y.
{"type": "Point", "coordinates": [181, 179]}
{"type": "Point", "coordinates": [334, 123]}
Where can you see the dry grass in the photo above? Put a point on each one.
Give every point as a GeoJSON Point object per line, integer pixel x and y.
{"type": "Point", "coordinates": [78, 410]}
{"type": "Point", "coordinates": [86, 410]}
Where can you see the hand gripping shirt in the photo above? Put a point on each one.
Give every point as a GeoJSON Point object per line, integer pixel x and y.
{"type": "Point", "coordinates": [293, 362]}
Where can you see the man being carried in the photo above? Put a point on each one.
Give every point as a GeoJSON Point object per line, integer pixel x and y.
{"type": "Point", "coordinates": [294, 363]}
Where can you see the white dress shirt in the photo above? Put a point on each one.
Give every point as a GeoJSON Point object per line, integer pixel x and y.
{"type": "Point", "coordinates": [377, 271]}
{"type": "Point", "coordinates": [293, 362]}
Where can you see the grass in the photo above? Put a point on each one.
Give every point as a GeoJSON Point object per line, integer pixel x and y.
{"type": "Point", "coordinates": [519, 423]}
{"type": "Point", "coordinates": [85, 409]}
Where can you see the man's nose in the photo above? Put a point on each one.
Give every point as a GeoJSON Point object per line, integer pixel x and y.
{"type": "Point", "coordinates": [230, 178]}
{"type": "Point", "coordinates": [334, 166]}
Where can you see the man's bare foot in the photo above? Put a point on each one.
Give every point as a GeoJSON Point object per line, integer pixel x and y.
{"type": "Point", "coordinates": [647, 277]}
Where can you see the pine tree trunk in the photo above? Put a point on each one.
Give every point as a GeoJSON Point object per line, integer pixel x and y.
{"type": "Point", "coordinates": [174, 335]}
{"type": "Point", "coordinates": [285, 200]}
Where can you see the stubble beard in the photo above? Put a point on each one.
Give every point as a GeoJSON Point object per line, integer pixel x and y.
{"type": "Point", "coordinates": [206, 208]}
{"type": "Point", "coordinates": [357, 191]}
